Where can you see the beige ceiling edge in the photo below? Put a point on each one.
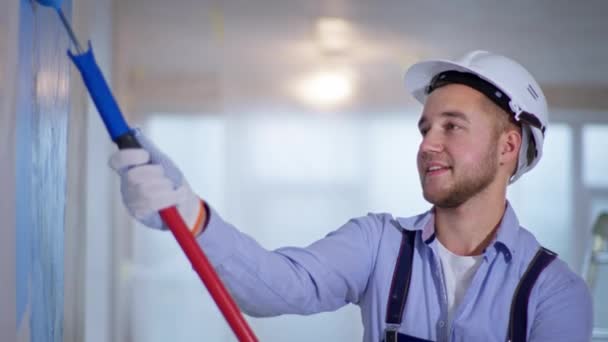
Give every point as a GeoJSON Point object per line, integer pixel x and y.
{"type": "Point", "coordinates": [586, 97]}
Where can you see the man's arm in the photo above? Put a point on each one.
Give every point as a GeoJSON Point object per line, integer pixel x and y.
{"type": "Point", "coordinates": [324, 276]}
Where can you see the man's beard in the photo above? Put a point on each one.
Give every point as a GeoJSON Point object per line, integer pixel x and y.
{"type": "Point", "coordinates": [469, 183]}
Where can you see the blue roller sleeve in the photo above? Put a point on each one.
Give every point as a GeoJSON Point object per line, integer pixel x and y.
{"type": "Point", "coordinates": [50, 3]}
{"type": "Point", "coordinates": [102, 97]}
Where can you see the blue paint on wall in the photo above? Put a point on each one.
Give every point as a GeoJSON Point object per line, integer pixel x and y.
{"type": "Point", "coordinates": [42, 118]}
{"type": "Point", "coordinates": [23, 158]}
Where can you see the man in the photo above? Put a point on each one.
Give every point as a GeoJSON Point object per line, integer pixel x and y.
{"type": "Point", "coordinates": [463, 271]}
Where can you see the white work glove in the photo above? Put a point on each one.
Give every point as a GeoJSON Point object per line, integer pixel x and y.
{"type": "Point", "coordinates": [150, 181]}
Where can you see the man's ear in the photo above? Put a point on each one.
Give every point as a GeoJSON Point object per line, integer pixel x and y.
{"type": "Point", "coordinates": [509, 144]}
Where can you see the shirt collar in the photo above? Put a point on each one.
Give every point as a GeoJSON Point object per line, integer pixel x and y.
{"type": "Point", "coordinates": [424, 222]}
{"type": "Point", "coordinates": [506, 234]}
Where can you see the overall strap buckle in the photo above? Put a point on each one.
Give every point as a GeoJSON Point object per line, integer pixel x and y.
{"type": "Point", "coordinates": [391, 332]}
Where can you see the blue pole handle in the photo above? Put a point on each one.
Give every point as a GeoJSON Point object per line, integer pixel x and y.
{"type": "Point", "coordinates": [101, 94]}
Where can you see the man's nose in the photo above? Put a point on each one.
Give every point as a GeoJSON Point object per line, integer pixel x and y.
{"type": "Point", "coordinates": [432, 141]}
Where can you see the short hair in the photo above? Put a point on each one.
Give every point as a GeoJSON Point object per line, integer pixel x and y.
{"type": "Point", "coordinates": [505, 121]}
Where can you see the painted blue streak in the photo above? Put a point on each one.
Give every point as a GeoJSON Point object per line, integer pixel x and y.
{"type": "Point", "coordinates": [41, 148]}
{"type": "Point", "coordinates": [23, 160]}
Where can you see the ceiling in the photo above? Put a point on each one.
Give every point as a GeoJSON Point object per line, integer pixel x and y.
{"type": "Point", "coordinates": [252, 49]}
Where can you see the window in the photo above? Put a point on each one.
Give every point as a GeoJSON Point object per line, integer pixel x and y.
{"type": "Point", "coordinates": [595, 160]}
{"type": "Point", "coordinates": [542, 198]}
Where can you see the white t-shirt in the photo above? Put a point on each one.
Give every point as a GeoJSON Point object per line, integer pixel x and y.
{"type": "Point", "coordinates": [458, 273]}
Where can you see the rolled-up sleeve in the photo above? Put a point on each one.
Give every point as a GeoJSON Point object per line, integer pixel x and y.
{"type": "Point", "coordinates": [324, 276]}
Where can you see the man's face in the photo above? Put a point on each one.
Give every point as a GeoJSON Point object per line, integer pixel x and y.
{"type": "Point", "coordinates": [458, 155]}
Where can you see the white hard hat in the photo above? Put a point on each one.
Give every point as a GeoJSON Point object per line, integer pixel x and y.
{"type": "Point", "coordinates": [501, 79]}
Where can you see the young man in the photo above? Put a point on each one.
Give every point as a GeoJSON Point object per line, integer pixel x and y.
{"type": "Point", "coordinates": [463, 271]}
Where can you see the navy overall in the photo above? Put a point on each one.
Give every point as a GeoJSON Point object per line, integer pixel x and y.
{"type": "Point", "coordinates": [401, 283]}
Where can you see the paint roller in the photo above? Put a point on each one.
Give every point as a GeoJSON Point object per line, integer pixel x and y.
{"type": "Point", "coordinates": [124, 138]}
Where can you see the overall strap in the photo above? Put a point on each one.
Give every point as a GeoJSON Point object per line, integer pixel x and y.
{"type": "Point", "coordinates": [399, 286]}
{"type": "Point", "coordinates": [518, 319]}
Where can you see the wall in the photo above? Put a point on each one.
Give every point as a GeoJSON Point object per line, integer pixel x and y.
{"type": "Point", "coordinates": [42, 104]}
{"type": "Point", "coordinates": [8, 61]}
{"type": "Point", "coordinates": [94, 218]}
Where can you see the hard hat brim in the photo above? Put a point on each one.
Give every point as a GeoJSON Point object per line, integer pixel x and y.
{"type": "Point", "coordinates": [419, 75]}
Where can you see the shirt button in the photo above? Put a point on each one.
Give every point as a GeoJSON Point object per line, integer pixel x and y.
{"type": "Point", "coordinates": [441, 324]}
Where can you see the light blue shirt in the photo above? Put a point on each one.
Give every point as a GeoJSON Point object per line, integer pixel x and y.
{"type": "Point", "coordinates": [355, 264]}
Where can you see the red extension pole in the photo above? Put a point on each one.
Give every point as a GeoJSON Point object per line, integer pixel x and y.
{"type": "Point", "coordinates": [208, 275]}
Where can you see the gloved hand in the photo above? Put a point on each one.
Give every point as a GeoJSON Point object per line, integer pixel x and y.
{"type": "Point", "coordinates": [150, 181]}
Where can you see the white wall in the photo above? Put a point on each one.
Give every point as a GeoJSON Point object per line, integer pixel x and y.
{"type": "Point", "coordinates": [8, 66]}
{"type": "Point", "coordinates": [89, 215]}
{"type": "Point", "coordinates": [88, 253]}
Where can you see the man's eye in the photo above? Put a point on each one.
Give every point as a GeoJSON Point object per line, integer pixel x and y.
{"type": "Point", "coordinates": [450, 126]}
